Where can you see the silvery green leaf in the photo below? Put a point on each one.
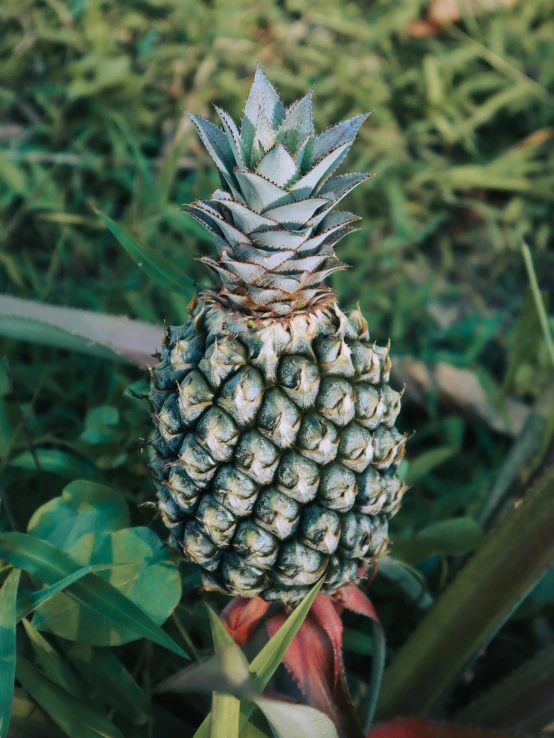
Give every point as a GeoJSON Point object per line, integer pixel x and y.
{"type": "Point", "coordinates": [206, 215]}
{"type": "Point", "coordinates": [298, 124]}
{"type": "Point", "coordinates": [267, 259]}
{"type": "Point", "coordinates": [304, 154]}
{"type": "Point", "coordinates": [246, 219]}
{"type": "Point", "coordinates": [307, 264]}
{"type": "Point", "coordinates": [221, 195]}
{"type": "Point", "coordinates": [307, 184]}
{"type": "Point", "coordinates": [265, 138]}
{"type": "Point", "coordinates": [233, 136]}
{"type": "Point", "coordinates": [263, 96]}
{"type": "Point", "coordinates": [278, 166]}
{"type": "Point", "coordinates": [288, 284]}
{"type": "Point", "coordinates": [339, 186]}
{"type": "Point", "coordinates": [335, 219]}
{"type": "Point", "coordinates": [336, 188]}
{"type": "Point", "coordinates": [324, 241]}
{"type": "Point", "coordinates": [278, 238]}
{"type": "Point", "coordinates": [250, 273]}
{"type": "Point", "coordinates": [296, 212]}
{"type": "Point", "coordinates": [217, 145]}
{"type": "Point", "coordinates": [220, 270]}
{"type": "Point", "coordinates": [332, 138]}
{"type": "Point", "coordinates": [259, 193]}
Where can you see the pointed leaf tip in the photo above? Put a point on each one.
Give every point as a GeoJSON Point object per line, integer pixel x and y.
{"type": "Point", "coordinates": [337, 135]}
{"type": "Point", "coordinates": [298, 123]}
{"type": "Point", "coordinates": [216, 143]}
{"type": "Point", "coordinates": [263, 100]}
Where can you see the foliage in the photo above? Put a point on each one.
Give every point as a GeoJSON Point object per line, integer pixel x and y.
{"type": "Point", "coordinates": [95, 150]}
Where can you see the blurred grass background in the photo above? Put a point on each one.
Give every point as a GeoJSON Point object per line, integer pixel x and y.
{"type": "Point", "coordinates": [461, 142]}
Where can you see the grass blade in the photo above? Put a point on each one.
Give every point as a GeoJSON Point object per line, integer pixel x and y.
{"type": "Point", "coordinates": [29, 721]}
{"type": "Point", "coordinates": [470, 612]}
{"type": "Point", "coordinates": [97, 334]}
{"type": "Point", "coordinates": [72, 716]}
{"type": "Point", "coordinates": [53, 665]}
{"type": "Point", "coordinates": [539, 304]}
{"type": "Point", "coordinates": [165, 272]}
{"type": "Point", "coordinates": [109, 678]}
{"type": "Point", "coordinates": [50, 564]}
{"type": "Point", "coordinates": [29, 601]}
{"type": "Point", "coordinates": [8, 595]}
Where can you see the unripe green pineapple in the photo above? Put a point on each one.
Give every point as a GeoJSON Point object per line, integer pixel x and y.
{"type": "Point", "coordinates": [275, 446]}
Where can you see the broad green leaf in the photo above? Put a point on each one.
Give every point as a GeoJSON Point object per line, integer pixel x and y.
{"type": "Point", "coordinates": [426, 462]}
{"type": "Point", "coordinates": [454, 537]}
{"type": "Point", "coordinates": [50, 565]}
{"type": "Point", "coordinates": [57, 462]}
{"type": "Point", "coordinates": [165, 272]}
{"type": "Point", "coordinates": [110, 679]}
{"type": "Point", "coordinates": [53, 665]}
{"type": "Point", "coordinates": [150, 569]}
{"type": "Point", "coordinates": [29, 601]}
{"type": "Point", "coordinates": [481, 598]}
{"type": "Point", "coordinates": [101, 425]}
{"type": "Point", "coordinates": [106, 336]}
{"type": "Point", "coordinates": [409, 581]}
{"type": "Point", "coordinates": [521, 703]}
{"type": "Point", "coordinates": [8, 595]}
{"type": "Point", "coordinates": [72, 716]}
{"type": "Point", "coordinates": [83, 507]}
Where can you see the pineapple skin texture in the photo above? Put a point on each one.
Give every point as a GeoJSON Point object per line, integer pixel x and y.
{"type": "Point", "coordinates": [275, 449]}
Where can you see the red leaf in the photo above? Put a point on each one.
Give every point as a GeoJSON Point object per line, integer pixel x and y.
{"type": "Point", "coordinates": [242, 617]}
{"type": "Point", "coordinates": [314, 661]}
{"type": "Point", "coordinates": [326, 614]}
{"type": "Point", "coordinates": [420, 728]}
{"type": "Point", "coordinates": [356, 600]}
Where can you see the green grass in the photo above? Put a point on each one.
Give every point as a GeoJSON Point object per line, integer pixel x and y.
{"type": "Point", "coordinates": [461, 142]}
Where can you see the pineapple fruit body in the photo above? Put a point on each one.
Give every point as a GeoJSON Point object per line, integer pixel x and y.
{"type": "Point", "coordinates": [275, 445]}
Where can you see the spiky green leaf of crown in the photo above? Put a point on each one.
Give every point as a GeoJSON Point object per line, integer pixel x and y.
{"type": "Point", "coordinates": [273, 222]}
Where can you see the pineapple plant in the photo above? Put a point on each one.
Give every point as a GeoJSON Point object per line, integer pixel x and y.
{"type": "Point", "coordinates": [275, 448]}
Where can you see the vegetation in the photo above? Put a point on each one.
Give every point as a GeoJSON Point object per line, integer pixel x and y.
{"type": "Point", "coordinates": [460, 141]}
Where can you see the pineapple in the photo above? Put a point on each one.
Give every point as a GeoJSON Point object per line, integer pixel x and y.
{"type": "Point", "coordinates": [275, 449]}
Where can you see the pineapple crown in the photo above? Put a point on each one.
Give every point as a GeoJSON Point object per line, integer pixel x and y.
{"type": "Point", "coordinates": [273, 221]}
